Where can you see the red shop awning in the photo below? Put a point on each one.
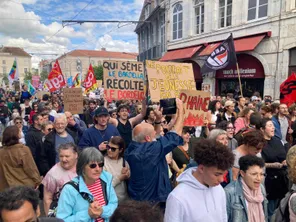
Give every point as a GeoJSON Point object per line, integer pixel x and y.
{"type": "Point", "coordinates": [242, 44]}
{"type": "Point", "coordinates": [186, 53]}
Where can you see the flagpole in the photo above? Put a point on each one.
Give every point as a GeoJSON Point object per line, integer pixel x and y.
{"type": "Point", "coordinates": [239, 80]}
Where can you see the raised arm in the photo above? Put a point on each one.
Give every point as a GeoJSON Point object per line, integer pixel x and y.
{"type": "Point", "coordinates": [139, 118]}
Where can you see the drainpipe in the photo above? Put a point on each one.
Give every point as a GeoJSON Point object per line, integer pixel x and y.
{"type": "Point", "coordinates": [278, 49]}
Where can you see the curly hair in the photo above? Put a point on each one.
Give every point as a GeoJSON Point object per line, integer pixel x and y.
{"type": "Point", "coordinates": [291, 163]}
{"type": "Point", "coordinates": [245, 112]}
{"type": "Point", "coordinates": [254, 138]}
{"type": "Point", "coordinates": [248, 161]}
{"type": "Point", "coordinates": [210, 153]}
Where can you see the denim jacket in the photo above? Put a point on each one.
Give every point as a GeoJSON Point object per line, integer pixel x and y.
{"type": "Point", "coordinates": [236, 203]}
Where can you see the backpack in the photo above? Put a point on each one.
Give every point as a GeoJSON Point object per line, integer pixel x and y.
{"type": "Point", "coordinates": [282, 212]}
{"type": "Point", "coordinates": [54, 204]}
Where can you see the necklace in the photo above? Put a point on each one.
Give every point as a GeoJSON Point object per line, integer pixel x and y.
{"type": "Point", "coordinates": [100, 131]}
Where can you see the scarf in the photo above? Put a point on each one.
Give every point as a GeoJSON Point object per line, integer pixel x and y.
{"type": "Point", "coordinates": [254, 199]}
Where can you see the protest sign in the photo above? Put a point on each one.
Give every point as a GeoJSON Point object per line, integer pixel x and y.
{"type": "Point", "coordinates": [123, 80]}
{"type": "Point", "coordinates": [196, 107]}
{"type": "Point", "coordinates": [35, 81]}
{"type": "Point", "coordinates": [99, 83]}
{"type": "Point", "coordinates": [73, 100]}
{"type": "Point", "coordinates": [166, 79]}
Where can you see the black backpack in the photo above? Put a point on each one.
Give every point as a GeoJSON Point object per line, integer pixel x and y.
{"type": "Point", "coordinates": [54, 204]}
{"type": "Point", "coordinates": [282, 212]}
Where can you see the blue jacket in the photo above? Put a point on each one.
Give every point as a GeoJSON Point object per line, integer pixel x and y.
{"type": "Point", "coordinates": [73, 208]}
{"type": "Point", "coordinates": [149, 178]}
{"type": "Point", "coordinates": [277, 127]}
{"type": "Point", "coordinates": [236, 204]}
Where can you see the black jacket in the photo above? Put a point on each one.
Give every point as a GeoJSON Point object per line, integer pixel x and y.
{"type": "Point", "coordinates": [34, 141]}
{"type": "Point", "coordinates": [48, 153]}
{"type": "Point", "coordinates": [88, 118]}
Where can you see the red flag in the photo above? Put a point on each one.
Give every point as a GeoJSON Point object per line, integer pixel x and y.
{"type": "Point", "coordinates": [55, 79]}
{"type": "Point", "coordinates": [90, 82]}
{"type": "Point", "coordinates": [288, 90]}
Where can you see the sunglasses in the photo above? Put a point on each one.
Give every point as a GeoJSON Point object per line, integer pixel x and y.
{"type": "Point", "coordinates": [18, 122]}
{"type": "Point", "coordinates": [49, 129]}
{"type": "Point", "coordinates": [94, 165]}
{"type": "Point", "coordinates": [113, 149]}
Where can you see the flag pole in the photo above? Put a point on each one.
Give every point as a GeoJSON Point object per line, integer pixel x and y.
{"type": "Point", "coordinates": [239, 80]}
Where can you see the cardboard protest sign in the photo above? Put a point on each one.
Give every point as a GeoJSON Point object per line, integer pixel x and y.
{"type": "Point", "coordinates": [196, 107]}
{"type": "Point", "coordinates": [123, 80]}
{"type": "Point", "coordinates": [166, 79]}
{"type": "Point", "coordinates": [73, 100]}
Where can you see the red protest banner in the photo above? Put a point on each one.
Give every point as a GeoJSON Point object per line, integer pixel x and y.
{"type": "Point", "coordinates": [55, 79]}
{"type": "Point", "coordinates": [288, 90]}
{"type": "Point", "coordinates": [90, 82]}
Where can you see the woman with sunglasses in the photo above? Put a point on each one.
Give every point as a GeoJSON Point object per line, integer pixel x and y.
{"type": "Point", "coordinates": [18, 121]}
{"type": "Point", "coordinates": [117, 166]}
{"type": "Point", "coordinates": [61, 173]}
{"type": "Point", "coordinates": [47, 127]}
{"type": "Point", "coordinates": [96, 200]}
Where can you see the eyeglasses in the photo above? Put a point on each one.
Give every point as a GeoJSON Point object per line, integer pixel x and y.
{"type": "Point", "coordinates": [113, 149]}
{"type": "Point", "coordinates": [94, 165]}
{"type": "Point", "coordinates": [49, 129]}
{"type": "Point", "coordinates": [18, 122]}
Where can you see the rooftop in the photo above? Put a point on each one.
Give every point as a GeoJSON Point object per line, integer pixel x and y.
{"type": "Point", "coordinates": [14, 51]}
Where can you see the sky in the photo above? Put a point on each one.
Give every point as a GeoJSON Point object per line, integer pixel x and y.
{"type": "Point", "coordinates": [36, 26]}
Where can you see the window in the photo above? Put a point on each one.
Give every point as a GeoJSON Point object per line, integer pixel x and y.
{"type": "Point", "coordinates": [152, 34]}
{"type": "Point", "coordinates": [143, 40]}
{"type": "Point", "coordinates": [162, 33]}
{"type": "Point", "coordinates": [147, 11]}
{"type": "Point", "coordinates": [148, 37]}
{"type": "Point", "coordinates": [225, 13]}
{"type": "Point", "coordinates": [177, 21]}
{"type": "Point", "coordinates": [199, 15]}
{"type": "Point", "coordinates": [3, 62]}
{"type": "Point", "coordinates": [25, 70]}
{"type": "Point", "coordinates": [257, 9]}
{"type": "Point", "coordinates": [292, 61]}
{"type": "Point", "coordinates": [4, 70]}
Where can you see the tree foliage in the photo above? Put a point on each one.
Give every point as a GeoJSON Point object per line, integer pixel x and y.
{"type": "Point", "coordinates": [43, 75]}
{"type": "Point", "coordinates": [98, 72]}
{"type": "Point", "coordinates": [28, 76]}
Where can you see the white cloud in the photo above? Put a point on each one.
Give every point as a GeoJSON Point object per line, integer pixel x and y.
{"type": "Point", "coordinates": [115, 45]}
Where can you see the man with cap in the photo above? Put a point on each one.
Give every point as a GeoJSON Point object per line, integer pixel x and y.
{"type": "Point", "coordinates": [99, 134]}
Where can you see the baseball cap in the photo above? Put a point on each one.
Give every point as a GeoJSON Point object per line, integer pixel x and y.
{"type": "Point", "coordinates": [101, 111]}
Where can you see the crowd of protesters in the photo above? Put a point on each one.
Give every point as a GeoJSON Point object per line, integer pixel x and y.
{"type": "Point", "coordinates": [126, 161]}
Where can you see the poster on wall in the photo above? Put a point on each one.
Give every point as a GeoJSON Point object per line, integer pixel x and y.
{"type": "Point", "coordinates": [73, 100]}
{"type": "Point", "coordinates": [166, 79]}
{"type": "Point", "coordinates": [196, 107]}
{"type": "Point", "coordinates": [206, 87]}
{"type": "Point", "coordinates": [123, 80]}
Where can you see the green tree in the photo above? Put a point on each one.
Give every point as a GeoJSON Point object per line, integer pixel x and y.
{"type": "Point", "coordinates": [28, 76]}
{"type": "Point", "coordinates": [98, 72]}
{"type": "Point", "coordinates": [43, 75]}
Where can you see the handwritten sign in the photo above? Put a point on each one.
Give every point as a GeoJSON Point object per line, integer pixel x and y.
{"type": "Point", "coordinates": [73, 100]}
{"type": "Point", "coordinates": [123, 80]}
{"type": "Point", "coordinates": [166, 79]}
{"type": "Point", "coordinates": [196, 106]}
{"type": "Point", "coordinates": [99, 83]}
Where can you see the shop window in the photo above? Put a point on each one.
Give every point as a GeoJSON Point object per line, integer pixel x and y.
{"type": "Point", "coordinates": [177, 21]}
{"type": "Point", "coordinates": [292, 61]}
{"type": "Point", "coordinates": [257, 9]}
{"type": "Point", "coordinates": [199, 16]}
{"type": "Point", "coordinates": [225, 13]}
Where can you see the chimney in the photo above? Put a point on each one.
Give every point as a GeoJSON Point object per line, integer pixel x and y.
{"type": "Point", "coordinates": [103, 49]}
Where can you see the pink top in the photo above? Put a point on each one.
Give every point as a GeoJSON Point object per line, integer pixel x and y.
{"type": "Point", "coordinates": [239, 124]}
{"type": "Point", "coordinates": [55, 179]}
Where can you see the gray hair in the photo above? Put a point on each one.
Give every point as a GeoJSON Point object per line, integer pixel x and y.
{"type": "Point", "coordinates": [60, 116]}
{"type": "Point", "coordinates": [88, 155]}
{"type": "Point", "coordinates": [68, 146]}
{"type": "Point", "coordinates": [215, 133]}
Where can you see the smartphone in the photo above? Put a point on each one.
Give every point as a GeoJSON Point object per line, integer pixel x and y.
{"type": "Point", "coordinates": [169, 106]}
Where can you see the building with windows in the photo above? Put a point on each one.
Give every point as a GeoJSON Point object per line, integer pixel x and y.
{"type": "Point", "coordinates": [72, 62]}
{"type": "Point", "coordinates": [264, 39]}
{"type": "Point", "coordinates": [7, 57]}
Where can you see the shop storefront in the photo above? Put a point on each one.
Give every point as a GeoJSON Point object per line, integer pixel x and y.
{"type": "Point", "coordinates": [197, 74]}
{"type": "Point", "coordinates": [252, 77]}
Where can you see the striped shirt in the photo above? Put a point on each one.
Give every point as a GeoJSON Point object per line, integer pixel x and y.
{"type": "Point", "coordinates": [97, 191]}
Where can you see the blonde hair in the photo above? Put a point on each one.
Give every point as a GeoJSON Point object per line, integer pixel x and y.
{"type": "Point", "coordinates": [291, 162]}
